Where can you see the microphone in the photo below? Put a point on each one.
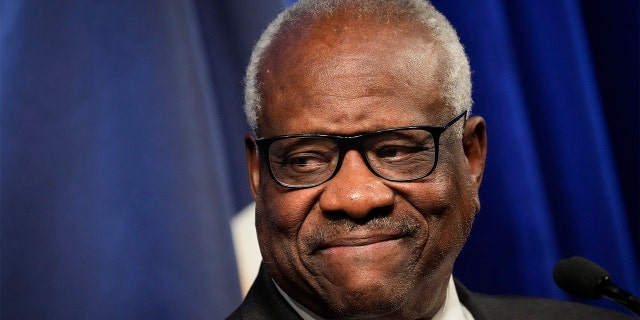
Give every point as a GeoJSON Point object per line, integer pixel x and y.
{"type": "Point", "coordinates": [587, 280]}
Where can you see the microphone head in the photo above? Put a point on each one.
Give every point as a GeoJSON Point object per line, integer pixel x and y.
{"type": "Point", "coordinates": [579, 277]}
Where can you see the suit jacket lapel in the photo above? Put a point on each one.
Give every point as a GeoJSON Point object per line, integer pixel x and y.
{"type": "Point", "coordinates": [467, 299]}
{"type": "Point", "coordinates": [263, 301]}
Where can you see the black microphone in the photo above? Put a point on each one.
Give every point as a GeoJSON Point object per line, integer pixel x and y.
{"type": "Point", "coordinates": [587, 280]}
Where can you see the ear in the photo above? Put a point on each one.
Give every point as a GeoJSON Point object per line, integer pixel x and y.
{"type": "Point", "coordinates": [253, 163]}
{"type": "Point", "coordinates": [474, 142]}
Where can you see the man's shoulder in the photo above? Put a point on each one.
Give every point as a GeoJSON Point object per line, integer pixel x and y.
{"type": "Point", "coordinates": [519, 307]}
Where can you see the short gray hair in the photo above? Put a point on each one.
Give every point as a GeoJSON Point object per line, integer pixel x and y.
{"type": "Point", "coordinates": [457, 74]}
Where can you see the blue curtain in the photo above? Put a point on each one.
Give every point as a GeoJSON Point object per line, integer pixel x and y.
{"type": "Point", "coordinates": [122, 156]}
{"type": "Point", "coordinates": [116, 188]}
{"type": "Point", "coordinates": [552, 188]}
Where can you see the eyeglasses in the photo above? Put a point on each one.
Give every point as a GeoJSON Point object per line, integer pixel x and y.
{"type": "Point", "coordinates": [396, 154]}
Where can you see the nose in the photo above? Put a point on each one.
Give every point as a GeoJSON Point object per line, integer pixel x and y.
{"type": "Point", "coordinates": [355, 190]}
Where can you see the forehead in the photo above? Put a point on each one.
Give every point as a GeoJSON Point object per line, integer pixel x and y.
{"type": "Point", "coordinates": [341, 70]}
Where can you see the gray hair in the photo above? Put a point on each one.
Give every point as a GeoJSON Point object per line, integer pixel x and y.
{"type": "Point", "coordinates": [457, 75]}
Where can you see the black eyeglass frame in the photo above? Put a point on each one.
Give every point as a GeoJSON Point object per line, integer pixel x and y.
{"type": "Point", "coordinates": [354, 142]}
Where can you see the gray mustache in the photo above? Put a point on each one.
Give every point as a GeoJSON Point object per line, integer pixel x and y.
{"type": "Point", "coordinates": [407, 226]}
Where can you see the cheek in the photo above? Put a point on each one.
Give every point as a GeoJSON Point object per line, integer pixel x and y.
{"type": "Point", "coordinates": [454, 185]}
{"type": "Point", "coordinates": [432, 198]}
{"type": "Point", "coordinates": [280, 211]}
{"type": "Point", "coordinates": [455, 224]}
{"type": "Point", "coordinates": [447, 206]}
{"type": "Point", "coordinates": [280, 214]}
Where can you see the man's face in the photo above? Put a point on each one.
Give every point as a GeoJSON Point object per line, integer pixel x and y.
{"type": "Point", "coordinates": [358, 245]}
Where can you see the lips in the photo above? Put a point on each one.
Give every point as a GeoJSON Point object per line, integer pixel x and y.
{"type": "Point", "coordinates": [357, 241]}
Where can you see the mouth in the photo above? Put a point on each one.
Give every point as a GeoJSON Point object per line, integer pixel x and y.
{"type": "Point", "coordinates": [348, 238]}
{"type": "Point", "coordinates": [357, 242]}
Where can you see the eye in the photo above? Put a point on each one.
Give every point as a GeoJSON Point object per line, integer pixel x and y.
{"type": "Point", "coordinates": [305, 162]}
{"type": "Point", "coordinates": [400, 146]}
{"type": "Point", "coordinates": [302, 156]}
{"type": "Point", "coordinates": [399, 152]}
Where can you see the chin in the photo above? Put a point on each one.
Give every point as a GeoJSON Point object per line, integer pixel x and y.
{"type": "Point", "coordinates": [381, 301]}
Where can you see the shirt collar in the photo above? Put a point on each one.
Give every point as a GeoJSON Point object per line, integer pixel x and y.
{"type": "Point", "coordinates": [451, 309]}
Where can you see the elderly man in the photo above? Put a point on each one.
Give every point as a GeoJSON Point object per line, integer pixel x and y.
{"type": "Point", "coordinates": [365, 165]}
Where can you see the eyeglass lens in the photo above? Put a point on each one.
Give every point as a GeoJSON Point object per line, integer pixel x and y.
{"type": "Point", "coordinates": [303, 161]}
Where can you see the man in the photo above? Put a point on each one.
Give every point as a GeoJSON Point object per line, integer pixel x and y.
{"type": "Point", "coordinates": [365, 165]}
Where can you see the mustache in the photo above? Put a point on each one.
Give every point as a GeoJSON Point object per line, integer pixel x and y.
{"type": "Point", "coordinates": [405, 226]}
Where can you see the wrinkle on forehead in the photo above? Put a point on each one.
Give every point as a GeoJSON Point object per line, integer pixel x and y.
{"type": "Point", "coordinates": [352, 63]}
{"type": "Point", "coordinates": [371, 76]}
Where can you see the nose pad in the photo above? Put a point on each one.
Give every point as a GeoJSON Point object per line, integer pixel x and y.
{"type": "Point", "coordinates": [355, 190]}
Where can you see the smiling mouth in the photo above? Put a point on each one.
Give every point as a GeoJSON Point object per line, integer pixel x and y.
{"type": "Point", "coordinates": [346, 236]}
{"type": "Point", "coordinates": [355, 241]}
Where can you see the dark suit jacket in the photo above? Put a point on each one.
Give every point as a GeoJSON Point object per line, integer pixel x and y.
{"type": "Point", "coordinates": [263, 301]}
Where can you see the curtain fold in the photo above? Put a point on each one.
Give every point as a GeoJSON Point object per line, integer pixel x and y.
{"type": "Point", "coordinates": [115, 195]}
